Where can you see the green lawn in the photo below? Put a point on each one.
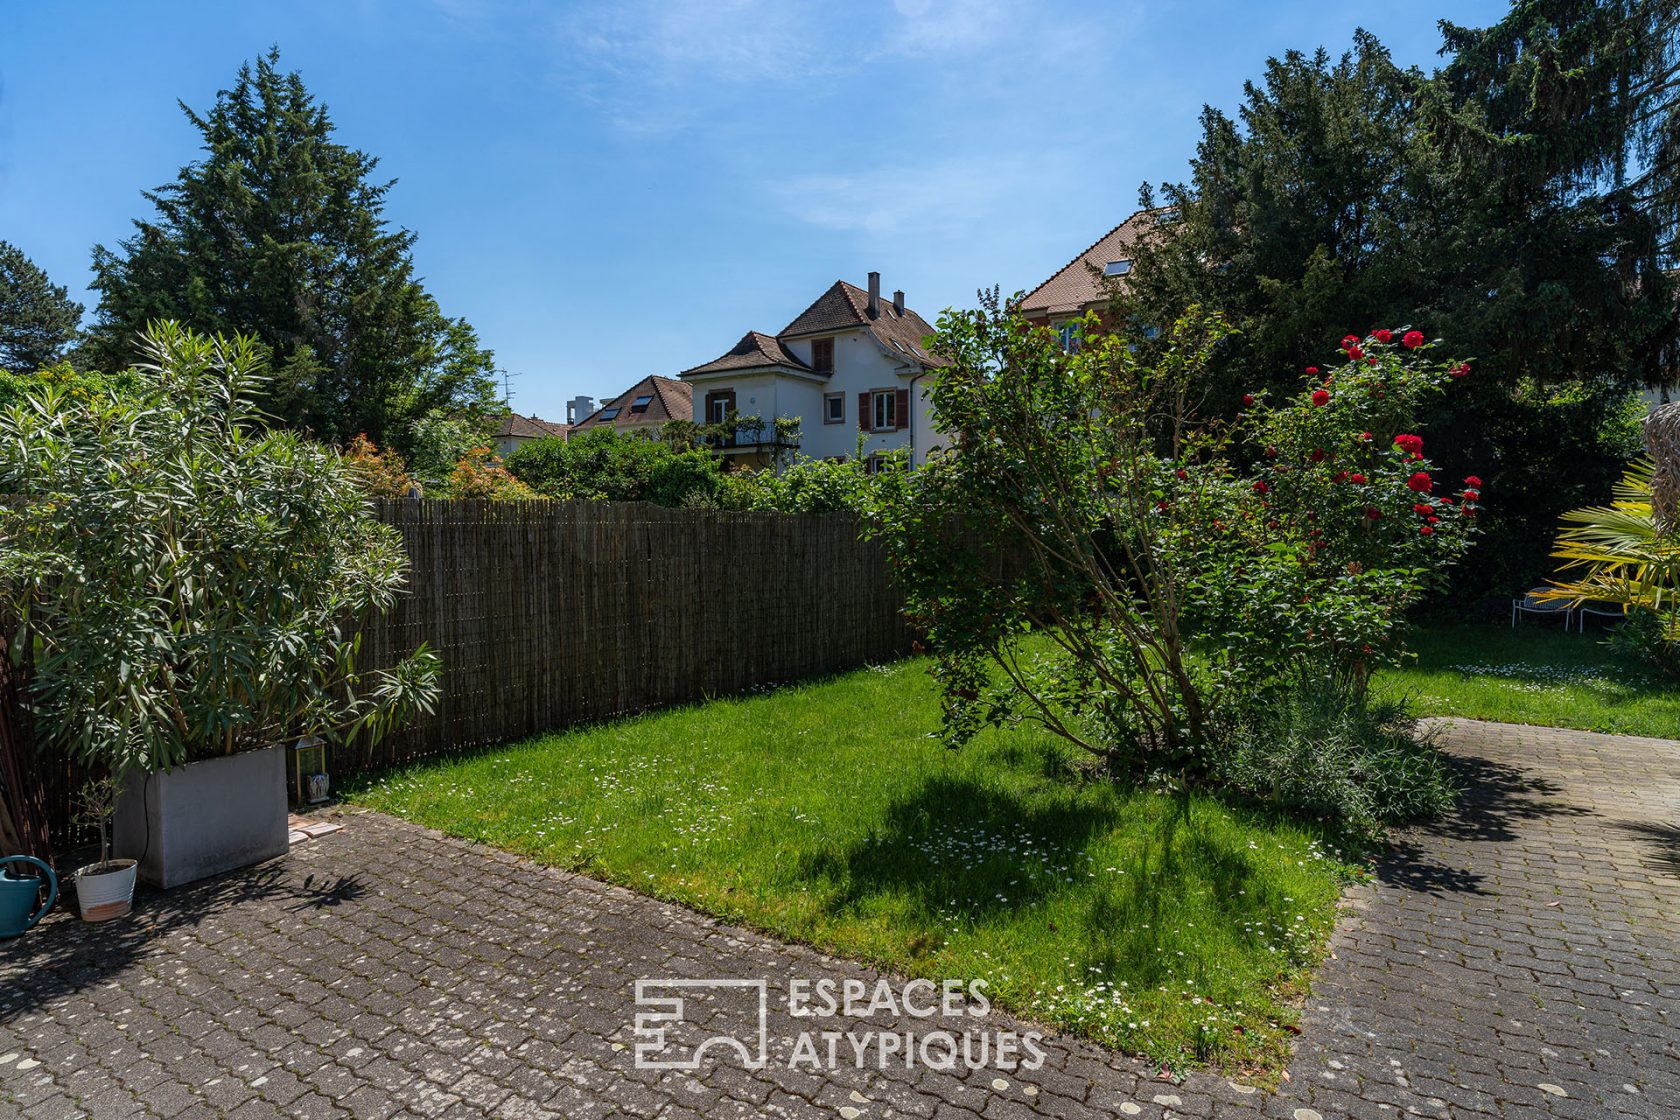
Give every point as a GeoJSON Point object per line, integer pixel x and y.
{"type": "Point", "coordinates": [1177, 928]}
{"type": "Point", "coordinates": [1534, 674]}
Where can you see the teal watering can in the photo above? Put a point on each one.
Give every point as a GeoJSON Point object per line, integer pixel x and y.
{"type": "Point", "coordinates": [19, 893]}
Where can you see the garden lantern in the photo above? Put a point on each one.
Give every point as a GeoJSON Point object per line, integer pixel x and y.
{"type": "Point", "coordinates": [306, 773]}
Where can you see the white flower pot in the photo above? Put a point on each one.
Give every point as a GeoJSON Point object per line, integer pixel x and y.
{"type": "Point", "coordinates": [105, 890]}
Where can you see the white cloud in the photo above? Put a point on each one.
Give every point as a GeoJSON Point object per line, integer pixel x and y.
{"type": "Point", "coordinates": [927, 27]}
{"type": "Point", "coordinates": [937, 199]}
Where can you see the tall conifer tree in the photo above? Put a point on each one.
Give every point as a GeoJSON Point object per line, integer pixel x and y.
{"type": "Point", "coordinates": [278, 231]}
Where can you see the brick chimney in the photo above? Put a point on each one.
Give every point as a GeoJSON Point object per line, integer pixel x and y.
{"type": "Point", "coordinates": [898, 301]}
{"type": "Point", "coordinates": [874, 295]}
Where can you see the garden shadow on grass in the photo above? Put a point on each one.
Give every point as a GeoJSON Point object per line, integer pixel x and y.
{"type": "Point", "coordinates": [1127, 930]}
{"type": "Point", "coordinates": [959, 850]}
{"type": "Point", "coordinates": [65, 955]}
{"type": "Point", "coordinates": [957, 841]}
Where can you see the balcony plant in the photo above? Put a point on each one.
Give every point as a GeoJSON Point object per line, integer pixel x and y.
{"type": "Point", "coordinates": [191, 585]}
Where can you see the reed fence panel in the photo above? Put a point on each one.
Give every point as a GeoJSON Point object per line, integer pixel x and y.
{"type": "Point", "coordinates": [547, 614]}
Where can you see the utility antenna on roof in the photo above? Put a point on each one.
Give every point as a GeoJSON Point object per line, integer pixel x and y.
{"type": "Point", "coordinates": [507, 387]}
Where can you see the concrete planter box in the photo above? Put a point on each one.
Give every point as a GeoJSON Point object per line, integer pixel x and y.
{"type": "Point", "coordinates": [205, 817]}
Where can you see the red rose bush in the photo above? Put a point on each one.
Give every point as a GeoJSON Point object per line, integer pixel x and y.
{"type": "Point", "coordinates": [1096, 554]}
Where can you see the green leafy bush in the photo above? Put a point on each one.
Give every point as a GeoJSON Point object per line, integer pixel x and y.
{"type": "Point", "coordinates": [1086, 502]}
{"type": "Point", "coordinates": [1647, 636]}
{"type": "Point", "coordinates": [818, 486]}
{"type": "Point", "coordinates": [190, 582]}
{"type": "Point", "coordinates": [1315, 749]}
{"type": "Point", "coordinates": [618, 467]}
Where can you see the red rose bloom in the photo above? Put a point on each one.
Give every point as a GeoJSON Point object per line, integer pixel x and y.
{"type": "Point", "coordinates": [1320, 398]}
{"type": "Point", "coordinates": [1425, 530]}
{"type": "Point", "coordinates": [1412, 445]}
{"type": "Point", "coordinates": [1355, 353]}
{"type": "Point", "coordinates": [1423, 510]}
{"type": "Point", "coordinates": [1411, 340]}
{"type": "Point", "coordinates": [1317, 455]}
{"type": "Point", "coordinates": [1473, 482]}
{"type": "Point", "coordinates": [1460, 370]}
{"type": "Point", "coordinates": [1260, 487]}
{"type": "Point", "coordinates": [1365, 436]}
{"type": "Point", "coordinates": [1271, 453]}
{"type": "Point", "coordinates": [1421, 482]}
{"type": "Point", "coordinates": [1182, 475]}
{"type": "Point", "coordinates": [1248, 400]}
{"type": "Point", "coordinates": [1162, 505]}
{"type": "Point", "coordinates": [1373, 513]}
{"type": "Point", "coordinates": [1357, 479]}
{"type": "Point", "coordinates": [1472, 495]}
{"type": "Point", "coordinates": [1382, 335]}
{"type": "Point", "coordinates": [1312, 370]}
{"type": "Point", "coordinates": [1340, 476]}
{"type": "Point", "coordinates": [1350, 341]}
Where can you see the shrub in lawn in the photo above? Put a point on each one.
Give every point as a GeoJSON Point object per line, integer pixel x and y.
{"type": "Point", "coordinates": [1087, 501]}
{"type": "Point", "coordinates": [1318, 750]}
{"type": "Point", "coordinates": [1646, 636]}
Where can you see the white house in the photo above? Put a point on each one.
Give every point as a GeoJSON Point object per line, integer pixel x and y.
{"type": "Point", "coordinates": [851, 364]}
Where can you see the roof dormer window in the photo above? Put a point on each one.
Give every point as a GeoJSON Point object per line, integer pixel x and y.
{"type": "Point", "coordinates": [822, 355]}
{"type": "Point", "coordinates": [609, 413]}
{"type": "Point", "coordinates": [640, 404]}
{"type": "Point", "coordinates": [1117, 268]}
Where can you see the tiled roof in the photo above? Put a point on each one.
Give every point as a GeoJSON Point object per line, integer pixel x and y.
{"type": "Point", "coordinates": [846, 306]}
{"type": "Point", "coordinates": [1075, 286]}
{"type": "Point", "coordinates": [672, 400]}
{"type": "Point", "coordinates": [515, 426]}
{"type": "Point", "coordinates": [756, 350]}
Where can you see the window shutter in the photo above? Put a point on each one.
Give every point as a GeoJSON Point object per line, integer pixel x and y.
{"type": "Point", "coordinates": [903, 410]}
{"type": "Point", "coordinates": [866, 418]}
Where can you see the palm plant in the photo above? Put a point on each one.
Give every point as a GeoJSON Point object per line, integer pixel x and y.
{"type": "Point", "coordinates": [1619, 554]}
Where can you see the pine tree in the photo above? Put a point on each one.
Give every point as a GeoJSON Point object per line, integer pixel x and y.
{"type": "Point", "coordinates": [278, 232]}
{"type": "Point", "coordinates": [37, 319]}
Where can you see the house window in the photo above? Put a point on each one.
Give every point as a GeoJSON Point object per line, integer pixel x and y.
{"type": "Point", "coordinates": [822, 355]}
{"type": "Point", "coordinates": [834, 408]}
{"type": "Point", "coordinates": [1069, 334]}
{"type": "Point", "coordinates": [720, 409]}
{"type": "Point", "coordinates": [885, 405]}
{"type": "Point", "coordinates": [1117, 268]}
{"type": "Point", "coordinates": [883, 461]}
{"type": "Point", "coordinates": [609, 413]}
{"type": "Point", "coordinates": [640, 404]}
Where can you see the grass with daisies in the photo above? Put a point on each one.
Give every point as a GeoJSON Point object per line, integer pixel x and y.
{"type": "Point", "coordinates": [1535, 674]}
{"type": "Point", "coordinates": [1172, 926]}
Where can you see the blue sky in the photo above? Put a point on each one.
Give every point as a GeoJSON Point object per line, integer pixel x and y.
{"type": "Point", "coordinates": [609, 190]}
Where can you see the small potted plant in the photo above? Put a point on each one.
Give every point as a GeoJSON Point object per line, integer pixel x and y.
{"type": "Point", "coordinates": [104, 890]}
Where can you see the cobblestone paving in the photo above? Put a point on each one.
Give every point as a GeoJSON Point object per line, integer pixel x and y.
{"type": "Point", "coordinates": [1522, 959]}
